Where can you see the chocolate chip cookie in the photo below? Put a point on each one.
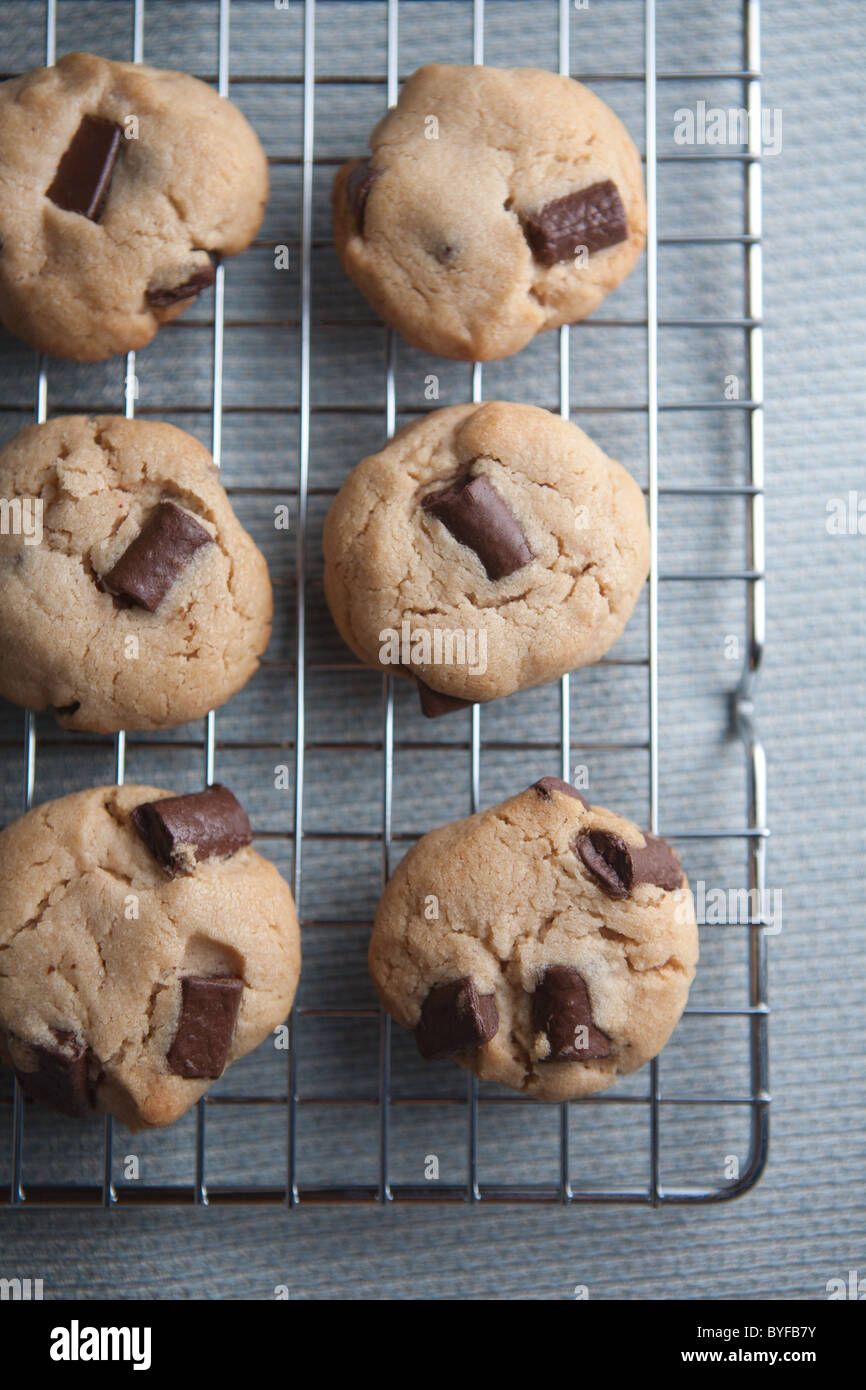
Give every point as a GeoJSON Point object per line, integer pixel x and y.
{"type": "Point", "coordinates": [486, 549]}
{"type": "Point", "coordinates": [145, 946]}
{"type": "Point", "coordinates": [130, 596]}
{"type": "Point", "coordinates": [120, 188]}
{"type": "Point", "coordinates": [495, 203]}
{"type": "Point", "coordinates": [545, 944]}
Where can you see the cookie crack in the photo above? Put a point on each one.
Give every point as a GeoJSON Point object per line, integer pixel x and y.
{"type": "Point", "coordinates": [34, 922]}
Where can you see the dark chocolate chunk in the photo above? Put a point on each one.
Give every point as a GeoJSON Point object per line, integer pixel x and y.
{"type": "Point", "coordinates": [547, 785]}
{"type": "Point", "coordinates": [180, 831]}
{"type": "Point", "coordinates": [160, 552]}
{"type": "Point", "coordinates": [55, 1077]}
{"type": "Point", "coordinates": [658, 864]}
{"type": "Point", "coordinates": [358, 186]}
{"type": "Point", "coordinates": [208, 1013]}
{"type": "Point", "coordinates": [84, 172]}
{"type": "Point", "coordinates": [619, 867]}
{"type": "Point", "coordinates": [593, 217]}
{"type": "Point", "coordinates": [477, 517]}
{"type": "Point", "coordinates": [560, 1008]}
{"type": "Point", "coordinates": [434, 703]}
{"type": "Point", "coordinates": [456, 1018]}
{"type": "Point", "coordinates": [609, 859]}
{"type": "Point", "coordinates": [164, 295]}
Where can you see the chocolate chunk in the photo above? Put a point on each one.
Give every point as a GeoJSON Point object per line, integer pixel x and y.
{"type": "Point", "coordinates": [358, 186]}
{"type": "Point", "coordinates": [208, 1013]}
{"type": "Point", "coordinates": [456, 1018]}
{"type": "Point", "coordinates": [180, 831]}
{"type": "Point", "coordinates": [55, 1077]}
{"type": "Point", "coordinates": [619, 867]}
{"type": "Point", "coordinates": [561, 1007]}
{"type": "Point", "coordinates": [658, 864]}
{"type": "Point", "coordinates": [164, 295]}
{"type": "Point", "coordinates": [160, 552]}
{"type": "Point", "coordinates": [593, 217]}
{"type": "Point", "coordinates": [434, 703]}
{"type": "Point", "coordinates": [609, 860]}
{"type": "Point", "coordinates": [477, 517]}
{"type": "Point", "coordinates": [548, 785]}
{"type": "Point", "coordinates": [84, 173]}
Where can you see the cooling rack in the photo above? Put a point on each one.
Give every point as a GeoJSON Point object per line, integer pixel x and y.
{"type": "Point", "coordinates": [351, 1116]}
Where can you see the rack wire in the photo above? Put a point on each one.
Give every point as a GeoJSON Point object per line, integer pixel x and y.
{"type": "Point", "coordinates": [560, 1187]}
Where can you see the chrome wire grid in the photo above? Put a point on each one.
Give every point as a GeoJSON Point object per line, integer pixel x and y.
{"type": "Point", "coordinates": [290, 1101]}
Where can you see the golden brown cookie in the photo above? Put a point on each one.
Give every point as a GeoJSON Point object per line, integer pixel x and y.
{"type": "Point", "coordinates": [486, 549]}
{"type": "Point", "coordinates": [145, 947]}
{"type": "Point", "coordinates": [495, 203]}
{"type": "Point", "coordinates": [120, 188]}
{"type": "Point", "coordinates": [135, 600]}
{"type": "Point", "coordinates": [545, 944]}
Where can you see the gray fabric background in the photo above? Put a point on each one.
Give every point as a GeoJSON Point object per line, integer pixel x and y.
{"type": "Point", "coordinates": [804, 1223]}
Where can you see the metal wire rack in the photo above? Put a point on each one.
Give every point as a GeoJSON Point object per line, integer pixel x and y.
{"type": "Point", "coordinates": [291, 1101]}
